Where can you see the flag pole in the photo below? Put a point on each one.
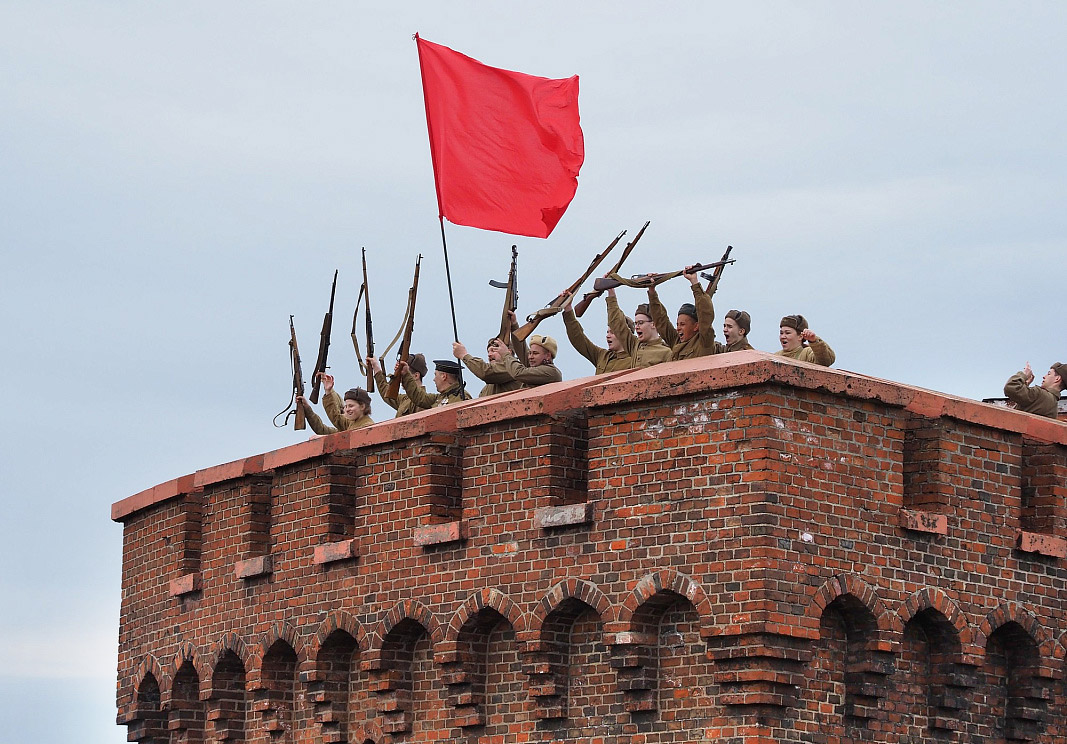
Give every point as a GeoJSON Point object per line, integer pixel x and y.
{"type": "Point", "coordinates": [448, 276]}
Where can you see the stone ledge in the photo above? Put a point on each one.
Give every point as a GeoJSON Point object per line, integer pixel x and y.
{"type": "Point", "coordinates": [250, 568]}
{"type": "Point", "coordinates": [915, 520]}
{"type": "Point", "coordinates": [185, 584]}
{"type": "Point", "coordinates": [553, 517]}
{"type": "Point", "coordinates": [345, 550]}
{"type": "Point", "coordinates": [439, 534]}
{"type": "Point", "coordinates": [1037, 542]}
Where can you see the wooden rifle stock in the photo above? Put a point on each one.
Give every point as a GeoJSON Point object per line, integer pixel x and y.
{"type": "Point", "coordinates": [713, 280]}
{"type": "Point", "coordinates": [588, 297]}
{"type": "Point", "coordinates": [393, 391]}
{"type": "Point", "coordinates": [298, 378]}
{"type": "Point", "coordinates": [324, 345]}
{"type": "Point", "coordinates": [554, 307]}
{"type": "Point", "coordinates": [642, 281]}
{"type": "Point", "coordinates": [511, 299]}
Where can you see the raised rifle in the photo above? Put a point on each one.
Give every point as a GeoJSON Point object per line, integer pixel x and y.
{"type": "Point", "coordinates": [364, 291]}
{"type": "Point", "coordinates": [511, 299]}
{"type": "Point", "coordinates": [588, 297]}
{"type": "Point", "coordinates": [393, 391]}
{"type": "Point", "coordinates": [713, 278]}
{"type": "Point", "coordinates": [298, 384]}
{"type": "Point", "coordinates": [324, 345]}
{"type": "Point", "coordinates": [556, 306]}
{"type": "Point", "coordinates": [643, 281]}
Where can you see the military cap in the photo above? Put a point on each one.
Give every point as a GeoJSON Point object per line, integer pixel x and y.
{"type": "Point", "coordinates": [743, 319]}
{"type": "Point", "coordinates": [630, 324]}
{"type": "Point", "coordinates": [417, 363]}
{"type": "Point", "coordinates": [1061, 369]}
{"type": "Point", "coordinates": [359, 395]}
{"type": "Point", "coordinates": [545, 342]}
{"type": "Point", "coordinates": [451, 366]}
{"type": "Point", "coordinates": [688, 309]}
{"type": "Point", "coordinates": [643, 309]}
{"type": "Point", "coordinates": [796, 322]}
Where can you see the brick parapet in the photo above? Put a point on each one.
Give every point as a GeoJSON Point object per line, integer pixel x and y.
{"type": "Point", "coordinates": [760, 492]}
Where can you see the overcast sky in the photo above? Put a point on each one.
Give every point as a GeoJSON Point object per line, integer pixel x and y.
{"type": "Point", "coordinates": [178, 178]}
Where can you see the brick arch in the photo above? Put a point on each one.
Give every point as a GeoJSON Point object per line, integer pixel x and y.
{"type": "Point", "coordinates": [150, 665]}
{"type": "Point", "coordinates": [584, 591]}
{"type": "Point", "coordinates": [187, 652]}
{"type": "Point", "coordinates": [281, 631]}
{"type": "Point", "coordinates": [1009, 612]}
{"type": "Point", "coordinates": [369, 730]}
{"type": "Point", "coordinates": [844, 585]}
{"type": "Point", "coordinates": [493, 599]}
{"type": "Point", "coordinates": [229, 641]}
{"type": "Point", "coordinates": [932, 598]}
{"type": "Point", "coordinates": [410, 609]}
{"type": "Point", "coordinates": [661, 582]}
{"type": "Point", "coordinates": [337, 620]}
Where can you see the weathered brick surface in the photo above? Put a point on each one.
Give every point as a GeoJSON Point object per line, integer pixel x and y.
{"type": "Point", "coordinates": [736, 548]}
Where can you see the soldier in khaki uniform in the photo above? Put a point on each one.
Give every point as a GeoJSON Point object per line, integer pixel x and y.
{"type": "Point", "coordinates": [402, 403]}
{"type": "Point", "coordinates": [800, 342]}
{"type": "Point", "coordinates": [492, 372]}
{"type": "Point", "coordinates": [642, 343]}
{"type": "Point", "coordinates": [1042, 400]}
{"type": "Point", "coordinates": [612, 359]}
{"type": "Point", "coordinates": [735, 328]}
{"type": "Point", "coordinates": [352, 413]}
{"type": "Point", "coordinates": [541, 370]}
{"type": "Point", "coordinates": [694, 335]}
{"type": "Point", "coordinates": [447, 378]}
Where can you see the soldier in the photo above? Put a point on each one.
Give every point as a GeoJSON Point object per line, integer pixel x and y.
{"type": "Point", "coordinates": [541, 369]}
{"type": "Point", "coordinates": [402, 403]}
{"type": "Point", "coordinates": [612, 359]}
{"type": "Point", "coordinates": [353, 413]}
{"type": "Point", "coordinates": [735, 328]}
{"type": "Point", "coordinates": [492, 373]}
{"type": "Point", "coordinates": [1043, 400]}
{"type": "Point", "coordinates": [642, 343]}
{"type": "Point", "coordinates": [447, 378]}
{"type": "Point", "coordinates": [694, 335]}
{"type": "Point", "coordinates": [796, 337]}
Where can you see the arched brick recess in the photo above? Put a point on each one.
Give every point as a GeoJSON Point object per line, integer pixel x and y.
{"type": "Point", "coordinates": [1014, 680]}
{"type": "Point", "coordinates": [276, 706]}
{"type": "Point", "coordinates": [667, 581]}
{"type": "Point", "coordinates": [229, 642]}
{"type": "Point", "coordinates": [933, 598]}
{"type": "Point", "coordinates": [147, 721]}
{"type": "Point", "coordinates": [187, 652]}
{"type": "Point", "coordinates": [889, 624]}
{"type": "Point", "coordinates": [227, 705]}
{"type": "Point", "coordinates": [487, 598]}
{"type": "Point", "coordinates": [579, 589]}
{"type": "Point", "coordinates": [187, 713]}
{"type": "Point", "coordinates": [337, 620]}
{"type": "Point", "coordinates": [149, 665]}
{"type": "Point", "coordinates": [369, 731]}
{"type": "Point", "coordinates": [407, 610]}
{"type": "Point", "coordinates": [1013, 612]}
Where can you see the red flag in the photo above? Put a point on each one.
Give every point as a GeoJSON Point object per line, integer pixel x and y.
{"type": "Point", "coordinates": [506, 146]}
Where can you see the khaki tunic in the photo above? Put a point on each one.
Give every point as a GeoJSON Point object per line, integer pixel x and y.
{"type": "Point", "coordinates": [701, 344]}
{"type": "Point", "coordinates": [333, 404]}
{"type": "Point", "coordinates": [640, 353]}
{"type": "Point", "coordinates": [604, 360]}
{"type": "Point", "coordinates": [1034, 399]}
{"type": "Point", "coordinates": [493, 374]}
{"type": "Point", "coordinates": [819, 352]}
{"type": "Point", "coordinates": [423, 400]}
{"type": "Point", "coordinates": [402, 403]}
{"type": "Point", "coordinates": [543, 374]}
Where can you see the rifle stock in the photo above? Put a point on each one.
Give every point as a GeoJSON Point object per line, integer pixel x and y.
{"type": "Point", "coordinates": [393, 391]}
{"type": "Point", "coordinates": [324, 345]}
{"type": "Point", "coordinates": [588, 297]}
{"type": "Point", "coordinates": [642, 281]}
{"type": "Point", "coordinates": [713, 282]}
{"type": "Point", "coordinates": [300, 423]}
{"type": "Point", "coordinates": [532, 321]}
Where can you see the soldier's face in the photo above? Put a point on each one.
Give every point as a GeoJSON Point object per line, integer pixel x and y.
{"type": "Point", "coordinates": [353, 410]}
{"type": "Point", "coordinates": [790, 338]}
{"type": "Point", "coordinates": [442, 380]}
{"type": "Point", "coordinates": [731, 331]}
{"type": "Point", "coordinates": [537, 355]}
{"type": "Point", "coordinates": [645, 328]}
{"type": "Point", "coordinates": [495, 351]}
{"type": "Point", "coordinates": [1051, 379]}
{"type": "Point", "coordinates": [613, 343]}
{"type": "Point", "coordinates": [687, 328]}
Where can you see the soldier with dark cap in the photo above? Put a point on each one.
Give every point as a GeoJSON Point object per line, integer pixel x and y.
{"type": "Point", "coordinates": [402, 403]}
{"type": "Point", "coordinates": [800, 342]}
{"type": "Point", "coordinates": [735, 328]}
{"type": "Point", "coordinates": [492, 372]}
{"type": "Point", "coordinates": [642, 343]}
{"type": "Point", "coordinates": [1042, 400]}
{"type": "Point", "coordinates": [447, 378]}
{"type": "Point", "coordinates": [694, 335]}
{"type": "Point", "coordinates": [612, 359]}
{"type": "Point", "coordinates": [353, 413]}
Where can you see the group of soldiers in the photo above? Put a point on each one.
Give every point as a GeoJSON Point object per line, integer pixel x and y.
{"type": "Point", "coordinates": [648, 338]}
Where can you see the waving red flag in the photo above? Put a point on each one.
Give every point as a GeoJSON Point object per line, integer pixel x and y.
{"type": "Point", "coordinates": [506, 146]}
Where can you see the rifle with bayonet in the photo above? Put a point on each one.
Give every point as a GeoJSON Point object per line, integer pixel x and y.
{"type": "Point", "coordinates": [393, 391]}
{"type": "Point", "coordinates": [511, 299]}
{"type": "Point", "coordinates": [556, 306]}
{"type": "Point", "coordinates": [644, 281]}
{"type": "Point", "coordinates": [324, 345]}
{"type": "Point", "coordinates": [364, 291]}
{"type": "Point", "coordinates": [298, 384]}
{"type": "Point", "coordinates": [588, 297]}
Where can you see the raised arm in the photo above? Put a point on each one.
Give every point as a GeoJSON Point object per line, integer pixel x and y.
{"type": "Point", "coordinates": [661, 319]}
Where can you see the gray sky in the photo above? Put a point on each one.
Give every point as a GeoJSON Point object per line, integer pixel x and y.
{"type": "Point", "coordinates": [178, 178]}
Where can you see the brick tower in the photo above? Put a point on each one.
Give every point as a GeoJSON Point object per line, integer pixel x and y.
{"type": "Point", "coordinates": [737, 548]}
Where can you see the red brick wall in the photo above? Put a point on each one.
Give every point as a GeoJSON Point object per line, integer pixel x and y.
{"type": "Point", "coordinates": [738, 548]}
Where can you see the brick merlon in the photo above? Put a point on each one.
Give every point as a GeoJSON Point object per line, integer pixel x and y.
{"type": "Point", "coordinates": [683, 378]}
